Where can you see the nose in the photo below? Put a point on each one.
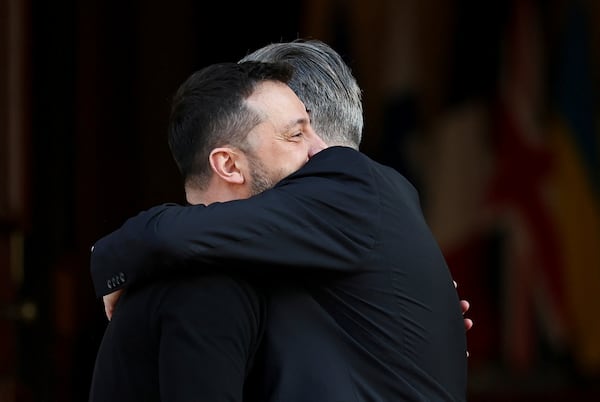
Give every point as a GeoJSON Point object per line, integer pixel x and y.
{"type": "Point", "coordinates": [316, 145]}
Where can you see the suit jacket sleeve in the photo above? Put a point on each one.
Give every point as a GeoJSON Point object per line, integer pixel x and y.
{"type": "Point", "coordinates": [324, 216]}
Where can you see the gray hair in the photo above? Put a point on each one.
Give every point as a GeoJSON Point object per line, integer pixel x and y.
{"type": "Point", "coordinates": [324, 82]}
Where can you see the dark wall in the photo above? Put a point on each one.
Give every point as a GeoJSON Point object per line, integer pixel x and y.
{"type": "Point", "coordinates": [102, 76]}
{"type": "Point", "coordinates": [103, 72]}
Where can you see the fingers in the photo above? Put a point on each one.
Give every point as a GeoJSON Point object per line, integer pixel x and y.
{"type": "Point", "coordinates": [468, 323]}
{"type": "Point", "coordinates": [464, 306]}
{"type": "Point", "coordinates": [108, 311]}
{"type": "Point", "coordinates": [110, 301]}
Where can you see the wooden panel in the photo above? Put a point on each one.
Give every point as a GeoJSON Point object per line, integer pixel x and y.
{"type": "Point", "coordinates": [14, 203]}
{"type": "Point", "coordinates": [14, 130]}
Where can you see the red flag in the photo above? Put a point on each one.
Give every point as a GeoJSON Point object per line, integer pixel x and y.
{"type": "Point", "coordinates": [532, 272]}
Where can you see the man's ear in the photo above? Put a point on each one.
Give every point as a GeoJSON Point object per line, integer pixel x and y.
{"type": "Point", "coordinates": [227, 164]}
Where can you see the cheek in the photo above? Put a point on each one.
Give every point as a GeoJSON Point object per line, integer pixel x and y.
{"type": "Point", "coordinates": [297, 159]}
{"type": "Point", "coordinates": [287, 159]}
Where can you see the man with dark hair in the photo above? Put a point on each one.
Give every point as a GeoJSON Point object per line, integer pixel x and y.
{"type": "Point", "coordinates": [191, 338]}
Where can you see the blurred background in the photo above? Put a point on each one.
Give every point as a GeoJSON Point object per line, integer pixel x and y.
{"type": "Point", "coordinates": [489, 107]}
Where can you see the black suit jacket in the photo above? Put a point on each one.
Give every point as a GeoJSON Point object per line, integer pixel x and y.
{"type": "Point", "coordinates": [372, 314]}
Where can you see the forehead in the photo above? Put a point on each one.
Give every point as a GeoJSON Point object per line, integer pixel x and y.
{"type": "Point", "coordinates": [275, 100]}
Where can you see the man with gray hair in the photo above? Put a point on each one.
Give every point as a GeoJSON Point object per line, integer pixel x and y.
{"type": "Point", "coordinates": [361, 304]}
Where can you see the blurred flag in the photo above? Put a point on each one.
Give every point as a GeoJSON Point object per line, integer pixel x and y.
{"type": "Point", "coordinates": [454, 160]}
{"type": "Point", "coordinates": [574, 136]}
{"type": "Point", "coordinates": [532, 269]}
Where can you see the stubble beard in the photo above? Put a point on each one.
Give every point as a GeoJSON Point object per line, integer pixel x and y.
{"type": "Point", "coordinates": [262, 178]}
